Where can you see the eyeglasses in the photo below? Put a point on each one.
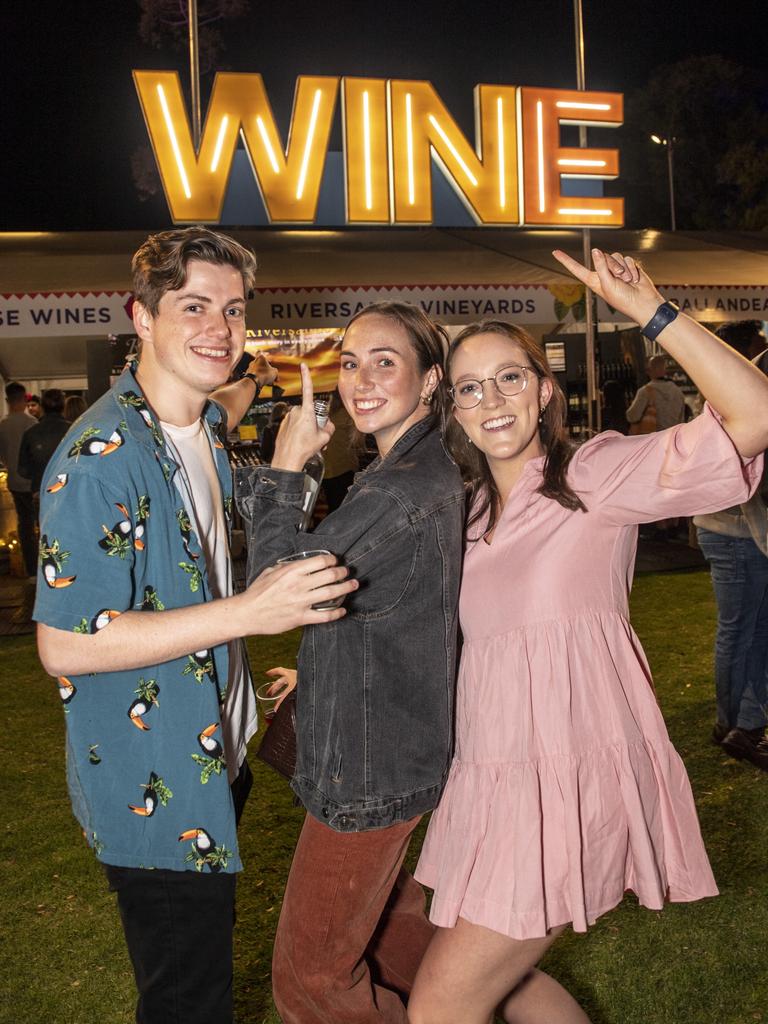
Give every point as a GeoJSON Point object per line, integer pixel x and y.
{"type": "Point", "coordinates": [509, 381]}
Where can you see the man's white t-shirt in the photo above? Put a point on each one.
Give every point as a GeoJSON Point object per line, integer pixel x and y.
{"type": "Point", "coordinates": [199, 487]}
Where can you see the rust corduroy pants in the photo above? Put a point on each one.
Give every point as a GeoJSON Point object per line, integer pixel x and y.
{"type": "Point", "coordinates": [352, 930]}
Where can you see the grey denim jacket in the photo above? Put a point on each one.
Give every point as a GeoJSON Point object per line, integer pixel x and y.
{"type": "Point", "coordinates": [375, 694]}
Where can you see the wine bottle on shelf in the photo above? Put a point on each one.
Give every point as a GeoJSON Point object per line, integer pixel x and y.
{"type": "Point", "coordinates": [314, 469]}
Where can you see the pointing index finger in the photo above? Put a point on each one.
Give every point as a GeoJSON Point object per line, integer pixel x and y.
{"type": "Point", "coordinates": [573, 266]}
{"type": "Point", "coordinates": [307, 391]}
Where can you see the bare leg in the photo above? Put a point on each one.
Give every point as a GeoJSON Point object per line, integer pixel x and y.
{"type": "Point", "coordinates": [539, 999]}
{"type": "Point", "coordinates": [468, 971]}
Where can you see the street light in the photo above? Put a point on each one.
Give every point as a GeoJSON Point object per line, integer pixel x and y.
{"type": "Point", "coordinates": [670, 144]}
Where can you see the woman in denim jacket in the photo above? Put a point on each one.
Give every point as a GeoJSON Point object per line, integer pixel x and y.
{"type": "Point", "coordinates": [375, 694]}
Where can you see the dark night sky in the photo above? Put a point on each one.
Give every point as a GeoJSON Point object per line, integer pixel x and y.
{"type": "Point", "coordinates": [71, 118]}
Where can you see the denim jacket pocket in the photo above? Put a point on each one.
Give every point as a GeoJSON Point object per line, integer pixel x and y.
{"type": "Point", "coordinates": [385, 575]}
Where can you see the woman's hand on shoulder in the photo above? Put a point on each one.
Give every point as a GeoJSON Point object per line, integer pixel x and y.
{"type": "Point", "coordinates": [619, 280]}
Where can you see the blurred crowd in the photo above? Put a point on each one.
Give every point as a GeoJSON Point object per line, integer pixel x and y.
{"type": "Point", "coordinates": [29, 435]}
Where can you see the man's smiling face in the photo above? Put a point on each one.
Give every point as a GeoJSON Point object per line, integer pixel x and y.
{"type": "Point", "coordinates": [197, 335]}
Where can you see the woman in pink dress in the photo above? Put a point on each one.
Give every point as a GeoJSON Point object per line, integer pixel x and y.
{"type": "Point", "coordinates": [565, 790]}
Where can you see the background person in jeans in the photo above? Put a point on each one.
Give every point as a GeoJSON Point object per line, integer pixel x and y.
{"type": "Point", "coordinates": [375, 694]}
{"type": "Point", "coordinates": [734, 543]}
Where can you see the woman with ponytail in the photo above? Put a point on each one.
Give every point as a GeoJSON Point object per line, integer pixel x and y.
{"type": "Point", "coordinates": [565, 791]}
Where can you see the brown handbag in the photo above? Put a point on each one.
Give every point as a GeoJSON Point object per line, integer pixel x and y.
{"type": "Point", "coordinates": [278, 745]}
{"type": "Point", "coordinates": [647, 422]}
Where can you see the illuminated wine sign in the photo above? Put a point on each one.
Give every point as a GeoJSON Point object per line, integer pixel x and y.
{"type": "Point", "coordinates": [392, 129]}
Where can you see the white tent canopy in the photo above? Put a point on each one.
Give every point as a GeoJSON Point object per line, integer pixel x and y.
{"type": "Point", "coordinates": [81, 281]}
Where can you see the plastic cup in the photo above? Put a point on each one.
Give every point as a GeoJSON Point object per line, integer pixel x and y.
{"type": "Point", "coordinates": [268, 701]}
{"type": "Point", "coordinates": [299, 556]}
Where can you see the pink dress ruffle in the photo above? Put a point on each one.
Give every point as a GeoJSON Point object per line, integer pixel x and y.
{"type": "Point", "coordinates": [565, 790]}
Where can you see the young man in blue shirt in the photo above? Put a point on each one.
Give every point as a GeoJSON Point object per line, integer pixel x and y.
{"type": "Point", "coordinates": [137, 618]}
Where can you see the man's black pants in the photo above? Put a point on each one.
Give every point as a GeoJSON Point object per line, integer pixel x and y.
{"type": "Point", "coordinates": [178, 928]}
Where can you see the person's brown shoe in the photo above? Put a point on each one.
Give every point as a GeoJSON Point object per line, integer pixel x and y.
{"type": "Point", "coordinates": [747, 745]}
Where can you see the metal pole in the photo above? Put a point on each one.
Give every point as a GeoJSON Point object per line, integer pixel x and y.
{"type": "Point", "coordinates": [578, 20]}
{"type": "Point", "coordinates": [671, 173]}
{"type": "Point", "coordinates": [593, 406]}
{"type": "Point", "coordinates": [194, 73]}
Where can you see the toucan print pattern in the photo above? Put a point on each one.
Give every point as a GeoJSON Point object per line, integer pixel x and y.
{"type": "Point", "coordinates": [146, 763]}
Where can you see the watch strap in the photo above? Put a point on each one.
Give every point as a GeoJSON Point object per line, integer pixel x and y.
{"type": "Point", "coordinates": [254, 378]}
{"type": "Point", "coordinates": [662, 318]}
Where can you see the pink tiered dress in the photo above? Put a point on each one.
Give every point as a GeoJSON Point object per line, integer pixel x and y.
{"type": "Point", "coordinates": [565, 790]}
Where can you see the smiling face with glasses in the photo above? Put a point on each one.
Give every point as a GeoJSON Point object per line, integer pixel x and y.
{"type": "Point", "coordinates": [498, 396]}
{"type": "Point", "coordinates": [509, 380]}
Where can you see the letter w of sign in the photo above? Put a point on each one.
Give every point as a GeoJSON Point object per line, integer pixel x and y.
{"type": "Point", "coordinates": [195, 183]}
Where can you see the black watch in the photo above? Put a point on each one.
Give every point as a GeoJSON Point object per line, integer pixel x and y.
{"type": "Point", "coordinates": [254, 378]}
{"type": "Point", "coordinates": [663, 316]}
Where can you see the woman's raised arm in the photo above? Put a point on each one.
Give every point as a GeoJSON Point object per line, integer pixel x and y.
{"type": "Point", "coordinates": [732, 385]}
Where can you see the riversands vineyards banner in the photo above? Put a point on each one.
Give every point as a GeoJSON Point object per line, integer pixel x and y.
{"type": "Point", "coordinates": [455, 304]}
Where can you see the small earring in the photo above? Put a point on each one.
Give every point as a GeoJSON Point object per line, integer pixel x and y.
{"type": "Point", "coordinates": [468, 439]}
{"type": "Point", "coordinates": [542, 410]}
{"type": "Point", "coordinates": [426, 399]}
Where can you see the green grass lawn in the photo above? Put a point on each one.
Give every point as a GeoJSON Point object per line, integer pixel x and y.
{"type": "Point", "coordinates": [62, 958]}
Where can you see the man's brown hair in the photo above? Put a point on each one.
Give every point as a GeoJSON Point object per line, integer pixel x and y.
{"type": "Point", "coordinates": [160, 264]}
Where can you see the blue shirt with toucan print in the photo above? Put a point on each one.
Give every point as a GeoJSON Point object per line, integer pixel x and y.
{"type": "Point", "coordinates": [145, 761]}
